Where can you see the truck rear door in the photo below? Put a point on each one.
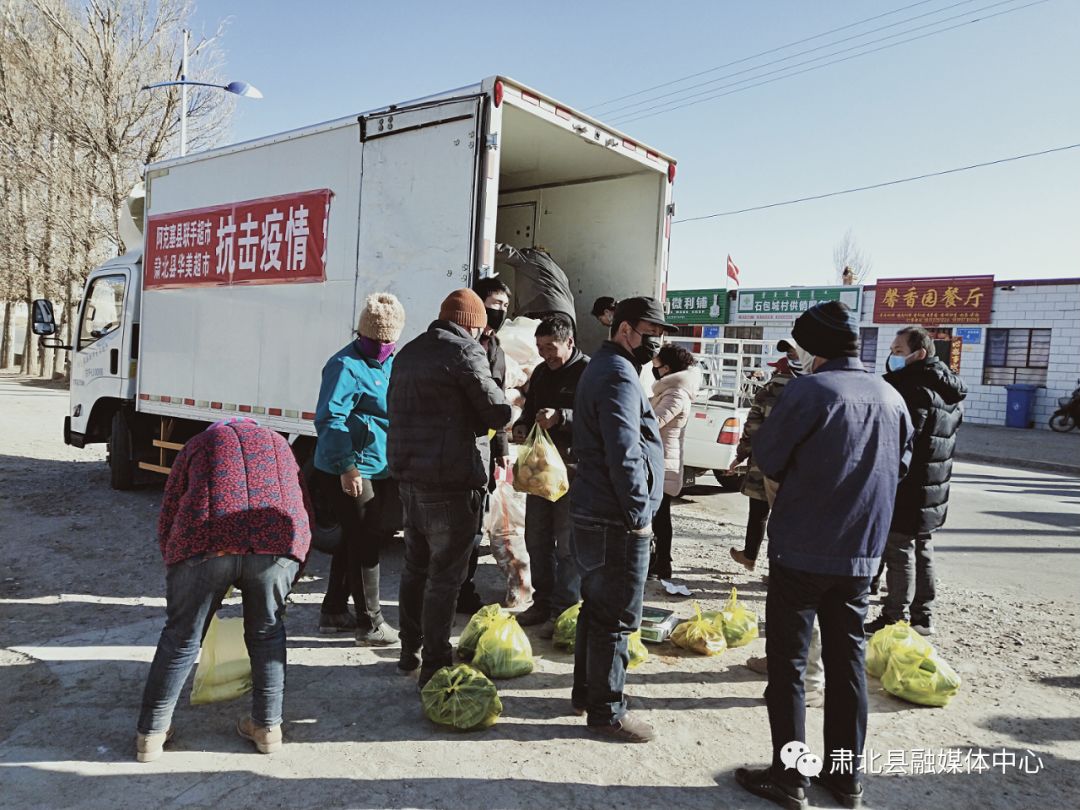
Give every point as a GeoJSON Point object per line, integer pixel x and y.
{"type": "Point", "coordinates": [418, 204]}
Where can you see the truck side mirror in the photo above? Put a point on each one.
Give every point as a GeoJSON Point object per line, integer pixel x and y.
{"type": "Point", "coordinates": [44, 323]}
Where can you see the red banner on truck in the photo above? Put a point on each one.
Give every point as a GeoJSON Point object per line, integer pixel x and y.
{"type": "Point", "coordinates": [273, 240]}
{"type": "Point", "coordinates": [934, 301]}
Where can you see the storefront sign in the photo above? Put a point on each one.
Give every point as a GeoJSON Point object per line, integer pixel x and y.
{"type": "Point", "coordinates": [710, 332]}
{"type": "Point", "coordinates": [955, 351]}
{"type": "Point", "coordinates": [785, 304]}
{"type": "Point", "coordinates": [273, 240]}
{"type": "Point", "coordinates": [969, 334]}
{"type": "Point", "coordinates": [933, 301]}
{"type": "Point", "coordinates": [697, 306]}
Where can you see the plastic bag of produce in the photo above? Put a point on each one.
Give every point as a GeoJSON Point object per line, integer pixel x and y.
{"type": "Point", "coordinates": [699, 635]}
{"type": "Point", "coordinates": [539, 469]}
{"type": "Point", "coordinates": [920, 678]}
{"type": "Point", "coordinates": [461, 697]}
{"type": "Point", "coordinates": [517, 337]}
{"type": "Point", "coordinates": [480, 621]}
{"type": "Point", "coordinates": [566, 627]}
{"type": "Point", "coordinates": [637, 650]}
{"type": "Point", "coordinates": [224, 670]}
{"type": "Point", "coordinates": [738, 623]}
{"type": "Point", "coordinates": [504, 525]}
{"type": "Point", "coordinates": [891, 639]}
{"type": "Point", "coordinates": [503, 650]}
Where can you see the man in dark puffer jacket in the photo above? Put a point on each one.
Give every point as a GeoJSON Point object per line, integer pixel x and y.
{"type": "Point", "coordinates": [441, 402]}
{"type": "Point", "coordinates": [933, 394]}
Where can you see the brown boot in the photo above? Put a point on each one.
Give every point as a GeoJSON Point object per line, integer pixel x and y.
{"type": "Point", "coordinates": [739, 556]}
{"type": "Point", "coordinates": [267, 739]}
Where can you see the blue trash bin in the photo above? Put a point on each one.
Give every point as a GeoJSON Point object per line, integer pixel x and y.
{"type": "Point", "coordinates": [1018, 403]}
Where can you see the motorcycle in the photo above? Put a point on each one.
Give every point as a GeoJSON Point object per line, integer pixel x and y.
{"type": "Point", "coordinates": [1067, 416]}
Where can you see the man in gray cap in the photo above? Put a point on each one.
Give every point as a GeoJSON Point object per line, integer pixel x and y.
{"type": "Point", "coordinates": [838, 441]}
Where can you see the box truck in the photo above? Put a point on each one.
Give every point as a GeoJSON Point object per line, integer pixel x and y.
{"type": "Point", "coordinates": [255, 258]}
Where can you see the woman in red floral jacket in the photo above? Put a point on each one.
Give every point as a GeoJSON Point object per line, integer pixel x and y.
{"type": "Point", "coordinates": [235, 512]}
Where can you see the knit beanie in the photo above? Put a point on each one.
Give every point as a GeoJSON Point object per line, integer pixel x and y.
{"type": "Point", "coordinates": [464, 308]}
{"type": "Point", "coordinates": [382, 318]}
{"type": "Point", "coordinates": [828, 330]}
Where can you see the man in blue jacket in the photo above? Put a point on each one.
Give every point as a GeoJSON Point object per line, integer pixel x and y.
{"type": "Point", "coordinates": [838, 441]}
{"type": "Point", "coordinates": [616, 492]}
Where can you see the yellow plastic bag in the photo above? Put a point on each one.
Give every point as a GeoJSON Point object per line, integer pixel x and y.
{"type": "Point", "coordinates": [224, 670]}
{"type": "Point", "coordinates": [503, 651]}
{"type": "Point", "coordinates": [894, 638]}
{"type": "Point", "coordinates": [539, 469]}
{"type": "Point", "coordinates": [920, 678]}
{"type": "Point", "coordinates": [480, 621]}
{"type": "Point", "coordinates": [461, 697]}
{"type": "Point", "coordinates": [566, 628]}
{"type": "Point", "coordinates": [737, 622]}
{"type": "Point", "coordinates": [699, 635]}
{"type": "Point", "coordinates": [638, 652]}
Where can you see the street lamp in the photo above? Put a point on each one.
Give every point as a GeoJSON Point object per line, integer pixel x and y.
{"type": "Point", "coordinates": [238, 88]}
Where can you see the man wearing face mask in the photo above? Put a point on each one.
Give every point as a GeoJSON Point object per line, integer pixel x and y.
{"type": "Point", "coordinates": [838, 441]}
{"type": "Point", "coordinates": [933, 394]}
{"type": "Point", "coordinates": [613, 498]}
{"type": "Point", "coordinates": [442, 402]}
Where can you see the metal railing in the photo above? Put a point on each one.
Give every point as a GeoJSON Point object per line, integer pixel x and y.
{"type": "Point", "coordinates": [732, 370]}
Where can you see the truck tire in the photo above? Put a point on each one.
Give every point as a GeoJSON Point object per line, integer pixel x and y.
{"type": "Point", "coordinates": [727, 481]}
{"type": "Point", "coordinates": [121, 466]}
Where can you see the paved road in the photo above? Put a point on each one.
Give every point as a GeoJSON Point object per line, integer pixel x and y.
{"type": "Point", "coordinates": [1009, 531]}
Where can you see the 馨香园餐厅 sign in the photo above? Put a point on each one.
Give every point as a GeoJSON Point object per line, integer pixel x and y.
{"type": "Point", "coordinates": [785, 304]}
{"type": "Point", "coordinates": [934, 301]}
{"type": "Point", "coordinates": [697, 306]}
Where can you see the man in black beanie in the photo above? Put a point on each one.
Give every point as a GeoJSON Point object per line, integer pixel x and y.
{"type": "Point", "coordinates": [838, 441]}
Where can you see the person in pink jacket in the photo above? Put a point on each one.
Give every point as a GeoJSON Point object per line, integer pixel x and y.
{"type": "Point", "coordinates": [235, 512]}
{"type": "Point", "coordinates": [677, 382]}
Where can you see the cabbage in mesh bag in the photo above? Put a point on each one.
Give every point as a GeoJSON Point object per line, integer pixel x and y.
{"type": "Point", "coordinates": [566, 627]}
{"type": "Point", "coordinates": [893, 638]}
{"type": "Point", "coordinates": [480, 621]}
{"type": "Point", "coordinates": [920, 678]}
{"type": "Point", "coordinates": [503, 651]}
{"type": "Point", "coordinates": [461, 697]}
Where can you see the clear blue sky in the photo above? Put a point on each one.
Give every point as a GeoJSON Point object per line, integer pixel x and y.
{"type": "Point", "coordinates": [997, 88]}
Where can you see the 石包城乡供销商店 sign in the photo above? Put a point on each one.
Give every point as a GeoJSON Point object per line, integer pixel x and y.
{"type": "Point", "coordinates": [934, 301]}
{"type": "Point", "coordinates": [785, 304]}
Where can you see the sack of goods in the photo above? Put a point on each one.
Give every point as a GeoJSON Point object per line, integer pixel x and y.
{"type": "Point", "coordinates": [894, 638]}
{"type": "Point", "coordinates": [736, 621]}
{"type": "Point", "coordinates": [461, 697]}
{"type": "Point", "coordinates": [503, 650]}
{"type": "Point", "coordinates": [920, 678]}
{"type": "Point", "coordinates": [224, 670]}
{"type": "Point", "coordinates": [539, 469]}
{"type": "Point", "coordinates": [699, 635]}
{"type": "Point", "coordinates": [566, 628]}
{"type": "Point", "coordinates": [636, 647]}
{"type": "Point", "coordinates": [480, 621]}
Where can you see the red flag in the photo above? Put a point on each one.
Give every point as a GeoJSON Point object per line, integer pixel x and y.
{"type": "Point", "coordinates": [732, 270]}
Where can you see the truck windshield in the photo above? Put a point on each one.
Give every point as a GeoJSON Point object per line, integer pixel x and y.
{"type": "Point", "coordinates": [102, 309]}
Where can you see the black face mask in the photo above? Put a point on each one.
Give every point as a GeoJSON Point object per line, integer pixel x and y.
{"type": "Point", "coordinates": [649, 348]}
{"type": "Point", "coordinates": [656, 373]}
{"type": "Point", "coordinates": [495, 318]}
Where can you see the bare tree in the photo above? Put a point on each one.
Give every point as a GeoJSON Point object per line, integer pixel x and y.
{"type": "Point", "coordinates": [851, 263]}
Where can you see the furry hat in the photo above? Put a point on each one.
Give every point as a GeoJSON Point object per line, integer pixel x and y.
{"type": "Point", "coordinates": [382, 318]}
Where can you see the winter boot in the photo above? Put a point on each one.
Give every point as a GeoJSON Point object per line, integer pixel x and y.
{"type": "Point", "coordinates": [379, 633]}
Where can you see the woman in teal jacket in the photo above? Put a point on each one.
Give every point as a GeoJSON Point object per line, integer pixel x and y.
{"type": "Point", "coordinates": [350, 461]}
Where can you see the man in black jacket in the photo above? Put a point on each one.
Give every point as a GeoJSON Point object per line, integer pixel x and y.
{"type": "Point", "coordinates": [932, 393]}
{"type": "Point", "coordinates": [549, 403]}
{"type": "Point", "coordinates": [441, 402]}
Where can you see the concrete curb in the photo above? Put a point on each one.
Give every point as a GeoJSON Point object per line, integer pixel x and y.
{"type": "Point", "coordinates": [1022, 463]}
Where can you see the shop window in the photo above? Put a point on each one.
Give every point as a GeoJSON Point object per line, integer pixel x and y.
{"type": "Point", "coordinates": [1016, 356]}
{"type": "Point", "coordinates": [868, 347]}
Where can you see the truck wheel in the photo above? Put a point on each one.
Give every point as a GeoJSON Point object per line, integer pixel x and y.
{"type": "Point", "coordinates": [1062, 423]}
{"type": "Point", "coordinates": [727, 481]}
{"type": "Point", "coordinates": [121, 466]}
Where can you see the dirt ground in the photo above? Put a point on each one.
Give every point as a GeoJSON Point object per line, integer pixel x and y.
{"type": "Point", "coordinates": [81, 605]}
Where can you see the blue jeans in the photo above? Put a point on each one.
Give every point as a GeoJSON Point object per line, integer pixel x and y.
{"type": "Point", "coordinates": [555, 579]}
{"type": "Point", "coordinates": [440, 527]}
{"type": "Point", "coordinates": [613, 563]}
{"type": "Point", "coordinates": [839, 603]}
{"type": "Point", "coordinates": [194, 590]}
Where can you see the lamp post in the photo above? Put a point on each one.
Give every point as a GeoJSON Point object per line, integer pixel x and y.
{"type": "Point", "coordinates": [238, 88]}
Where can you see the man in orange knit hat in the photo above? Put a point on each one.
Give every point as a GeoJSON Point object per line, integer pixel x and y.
{"type": "Point", "coordinates": [442, 402]}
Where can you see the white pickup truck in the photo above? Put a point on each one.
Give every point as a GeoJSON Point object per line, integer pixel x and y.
{"type": "Point", "coordinates": [732, 371]}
